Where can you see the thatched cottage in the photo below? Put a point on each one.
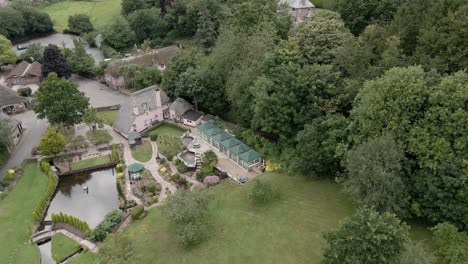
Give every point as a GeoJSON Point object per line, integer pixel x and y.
{"type": "Point", "coordinates": [11, 102]}
{"type": "Point", "coordinates": [299, 9]}
{"type": "Point", "coordinates": [25, 73]}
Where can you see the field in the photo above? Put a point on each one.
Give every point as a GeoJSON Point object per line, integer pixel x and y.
{"type": "Point", "coordinates": [101, 12]}
{"type": "Point", "coordinates": [143, 152]}
{"type": "Point", "coordinates": [16, 216]}
{"type": "Point", "coordinates": [62, 246]}
{"type": "Point", "coordinates": [108, 116]}
{"type": "Point", "coordinates": [287, 231]}
{"type": "Point", "coordinates": [90, 162]}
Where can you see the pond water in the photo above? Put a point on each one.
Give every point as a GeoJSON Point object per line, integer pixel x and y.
{"type": "Point", "coordinates": [188, 157]}
{"type": "Point", "coordinates": [91, 207]}
{"type": "Point", "coordinates": [46, 253]}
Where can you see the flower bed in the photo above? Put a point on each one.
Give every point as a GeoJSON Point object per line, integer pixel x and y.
{"type": "Point", "coordinates": [146, 188]}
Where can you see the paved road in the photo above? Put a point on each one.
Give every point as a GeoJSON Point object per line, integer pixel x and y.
{"type": "Point", "coordinates": [60, 39]}
{"type": "Point", "coordinates": [100, 95]}
{"type": "Point", "coordinates": [34, 128]}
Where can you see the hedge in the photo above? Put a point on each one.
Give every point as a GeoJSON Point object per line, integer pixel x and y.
{"type": "Point", "coordinates": [69, 219]}
{"type": "Point", "coordinates": [53, 182]}
{"type": "Point", "coordinates": [112, 219]}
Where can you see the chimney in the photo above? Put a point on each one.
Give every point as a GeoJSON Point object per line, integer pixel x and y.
{"type": "Point", "coordinates": [158, 97]}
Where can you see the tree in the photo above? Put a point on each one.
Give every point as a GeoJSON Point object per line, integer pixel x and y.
{"type": "Point", "coordinates": [415, 253]}
{"type": "Point", "coordinates": [37, 22]}
{"type": "Point", "coordinates": [358, 14]}
{"type": "Point", "coordinates": [118, 249]}
{"type": "Point", "coordinates": [90, 118]}
{"type": "Point", "coordinates": [139, 77]}
{"type": "Point", "coordinates": [321, 36]}
{"type": "Point", "coordinates": [375, 175]}
{"type": "Point", "coordinates": [5, 136]}
{"type": "Point", "coordinates": [319, 146]}
{"type": "Point", "coordinates": [12, 23]}
{"type": "Point", "coordinates": [55, 62]}
{"type": "Point", "coordinates": [148, 24]}
{"type": "Point", "coordinates": [119, 35]}
{"type": "Point", "coordinates": [130, 6]}
{"type": "Point", "coordinates": [261, 192]}
{"type": "Point", "coordinates": [81, 62]}
{"type": "Point", "coordinates": [79, 24]}
{"type": "Point", "coordinates": [206, 30]}
{"type": "Point", "coordinates": [451, 243]}
{"type": "Point", "coordinates": [188, 211]}
{"type": "Point", "coordinates": [366, 237]}
{"type": "Point", "coordinates": [52, 142]}
{"type": "Point", "coordinates": [210, 158]}
{"type": "Point", "coordinates": [60, 101]}
{"type": "Point", "coordinates": [7, 54]}
{"type": "Point", "coordinates": [33, 52]}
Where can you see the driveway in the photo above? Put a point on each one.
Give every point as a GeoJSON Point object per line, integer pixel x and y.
{"type": "Point", "coordinates": [60, 39]}
{"type": "Point", "coordinates": [98, 93]}
{"type": "Point", "coordinates": [34, 128]}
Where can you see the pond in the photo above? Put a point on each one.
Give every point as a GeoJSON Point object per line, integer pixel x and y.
{"type": "Point", "coordinates": [91, 207]}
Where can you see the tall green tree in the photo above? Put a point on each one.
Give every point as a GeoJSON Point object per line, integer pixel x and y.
{"type": "Point", "coordinates": [52, 142]}
{"type": "Point", "coordinates": [375, 176]}
{"type": "Point", "coordinates": [34, 52]}
{"type": "Point", "coordinates": [451, 243]}
{"type": "Point", "coordinates": [12, 23]}
{"type": "Point", "coordinates": [81, 62]}
{"type": "Point", "coordinates": [60, 101]}
{"type": "Point", "coordinates": [55, 62]}
{"type": "Point", "coordinates": [139, 77]}
{"type": "Point", "coordinates": [5, 136]}
{"type": "Point", "coordinates": [320, 37]}
{"type": "Point", "coordinates": [7, 54]}
{"type": "Point", "coordinates": [130, 6]}
{"type": "Point", "coordinates": [79, 24]}
{"type": "Point", "coordinates": [148, 24]}
{"type": "Point", "coordinates": [366, 237]}
{"type": "Point", "coordinates": [360, 13]}
{"type": "Point", "coordinates": [119, 35]}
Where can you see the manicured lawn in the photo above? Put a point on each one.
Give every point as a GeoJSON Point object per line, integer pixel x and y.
{"type": "Point", "coordinates": [90, 162]}
{"type": "Point", "coordinates": [16, 216]}
{"type": "Point", "coordinates": [165, 129]}
{"type": "Point", "coordinates": [62, 247]}
{"type": "Point", "coordinates": [143, 152]}
{"type": "Point", "coordinates": [108, 116]}
{"type": "Point", "coordinates": [287, 231]}
{"type": "Point", "coordinates": [101, 12]}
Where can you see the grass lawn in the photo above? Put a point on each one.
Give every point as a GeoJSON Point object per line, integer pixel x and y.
{"type": "Point", "coordinates": [286, 231]}
{"type": "Point", "coordinates": [143, 152]}
{"type": "Point", "coordinates": [98, 136]}
{"type": "Point", "coordinates": [108, 116]}
{"type": "Point", "coordinates": [62, 247]}
{"type": "Point", "coordinates": [16, 216]}
{"type": "Point", "coordinates": [167, 129]}
{"type": "Point", "coordinates": [90, 162]}
{"type": "Point", "coordinates": [101, 12]}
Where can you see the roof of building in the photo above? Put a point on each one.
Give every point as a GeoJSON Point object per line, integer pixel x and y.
{"type": "Point", "coordinates": [205, 126]}
{"type": "Point", "coordinates": [229, 143]}
{"type": "Point", "coordinates": [239, 149]}
{"type": "Point", "coordinates": [133, 136]}
{"type": "Point", "coordinates": [207, 117]}
{"type": "Point", "coordinates": [24, 69]}
{"type": "Point", "coordinates": [222, 136]}
{"type": "Point", "coordinates": [144, 99]}
{"type": "Point", "coordinates": [10, 97]}
{"type": "Point", "coordinates": [13, 122]}
{"type": "Point", "coordinates": [180, 106]}
{"type": "Point", "coordinates": [213, 131]}
{"type": "Point", "coordinates": [297, 3]}
{"type": "Point", "coordinates": [249, 155]}
{"type": "Point", "coordinates": [156, 57]}
{"type": "Point", "coordinates": [192, 115]}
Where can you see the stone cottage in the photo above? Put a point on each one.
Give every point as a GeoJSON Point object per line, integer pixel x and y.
{"type": "Point", "coordinates": [25, 73]}
{"type": "Point", "coordinates": [16, 129]}
{"type": "Point", "coordinates": [158, 58]}
{"type": "Point", "coordinates": [298, 9]}
{"type": "Point", "coordinates": [11, 102]}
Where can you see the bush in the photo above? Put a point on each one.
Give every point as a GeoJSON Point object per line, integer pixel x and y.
{"type": "Point", "coordinates": [209, 159]}
{"type": "Point", "coordinates": [211, 180]}
{"type": "Point", "coordinates": [151, 187]}
{"type": "Point", "coordinates": [79, 23]}
{"type": "Point", "coordinates": [115, 155]}
{"type": "Point", "coordinates": [9, 174]}
{"type": "Point", "coordinates": [109, 52]}
{"type": "Point", "coordinates": [223, 175]}
{"type": "Point", "coordinates": [163, 161]}
{"type": "Point", "coordinates": [155, 199]}
{"type": "Point", "coordinates": [25, 91]}
{"type": "Point", "coordinates": [119, 167]}
{"type": "Point", "coordinates": [143, 188]}
{"type": "Point", "coordinates": [69, 219]}
{"type": "Point", "coordinates": [120, 175]}
{"type": "Point", "coordinates": [181, 167]}
{"type": "Point", "coordinates": [200, 176]}
{"type": "Point", "coordinates": [112, 219]}
{"type": "Point", "coordinates": [90, 38]}
{"type": "Point", "coordinates": [191, 234]}
{"type": "Point", "coordinates": [153, 135]}
{"type": "Point", "coordinates": [175, 177]}
{"type": "Point", "coordinates": [261, 192]}
{"type": "Point", "coordinates": [138, 211]}
{"type": "Point", "coordinates": [182, 182]}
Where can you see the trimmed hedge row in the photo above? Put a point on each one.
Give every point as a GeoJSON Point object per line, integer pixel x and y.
{"type": "Point", "coordinates": [112, 219]}
{"type": "Point", "coordinates": [69, 219]}
{"type": "Point", "coordinates": [53, 181]}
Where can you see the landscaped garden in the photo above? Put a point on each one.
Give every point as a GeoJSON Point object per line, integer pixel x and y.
{"type": "Point", "coordinates": [101, 12]}
{"type": "Point", "coordinates": [16, 217]}
{"type": "Point", "coordinates": [169, 146]}
{"type": "Point", "coordinates": [143, 152]}
{"type": "Point", "coordinates": [168, 129]}
{"type": "Point", "coordinates": [63, 247]}
{"type": "Point", "coordinates": [108, 116]}
{"type": "Point", "coordinates": [90, 162]}
{"type": "Point", "coordinates": [146, 188]}
{"type": "Point", "coordinates": [292, 226]}
{"type": "Point", "coordinates": [99, 136]}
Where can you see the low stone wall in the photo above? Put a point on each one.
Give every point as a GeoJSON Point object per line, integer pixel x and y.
{"type": "Point", "coordinates": [107, 108]}
{"type": "Point", "coordinates": [92, 168]}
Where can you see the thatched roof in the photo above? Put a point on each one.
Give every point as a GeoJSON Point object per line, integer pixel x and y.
{"type": "Point", "coordinates": [10, 97]}
{"type": "Point", "coordinates": [25, 69]}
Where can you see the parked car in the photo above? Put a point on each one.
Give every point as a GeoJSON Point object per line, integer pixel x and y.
{"type": "Point", "coordinates": [21, 47]}
{"type": "Point", "coordinates": [243, 179]}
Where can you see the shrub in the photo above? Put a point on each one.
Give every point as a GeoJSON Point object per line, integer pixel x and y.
{"type": "Point", "coordinates": [181, 167]}
{"type": "Point", "coordinates": [209, 158]}
{"type": "Point", "coordinates": [119, 167]}
{"type": "Point", "coordinates": [69, 219]}
{"type": "Point", "coordinates": [115, 154]}
{"type": "Point", "coordinates": [153, 135]}
{"type": "Point", "coordinates": [200, 176]}
{"type": "Point", "coordinates": [112, 219]}
{"type": "Point", "coordinates": [143, 188]}
{"type": "Point", "coordinates": [211, 180]}
{"type": "Point", "coordinates": [182, 182]}
{"type": "Point", "coordinates": [138, 211]}
{"type": "Point", "coordinates": [25, 91]}
{"type": "Point", "coordinates": [175, 177]}
{"type": "Point", "coordinates": [155, 199]}
{"type": "Point", "coordinates": [261, 192]}
{"type": "Point", "coordinates": [9, 174]}
{"type": "Point", "coordinates": [206, 169]}
{"type": "Point", "coordinates": [223, 175]}
{"type": "Point", "coordinates": [163, 170]}
{"type": "Point", "coordinates": [151, 187]}
{"type": "Point", "coordinates": [163, 161]}
{"type": "Point", "coordinates": [120, 175]}
{"type": "Point", "coordinates": [191, 234]}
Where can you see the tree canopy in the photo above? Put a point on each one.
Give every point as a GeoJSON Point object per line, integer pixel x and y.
{"type": "Point", "coordinates": [52, 142]}
{"type": "Point", "coordinates": [7, 54]}
{"type": "Point", "coordinates": [53, 61]}
{"type": "Point", "coordinates": [79, 24]}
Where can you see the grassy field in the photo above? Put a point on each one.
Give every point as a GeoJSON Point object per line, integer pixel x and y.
{"type": "Point", "coordinates": [108, 116]}
{"type": "Point", "coordinates": [143, 152]}
{"type": "Point", "coordinates": [16, 215]}
{"type": "Point", "coordinates": [287, 231]}
{"type": "Point", "coordinates": [101, 12]}
{"type": "Point", "coordinates": [166, 129]}
{"type": "Point", "coordinates": [62, 246]}
{"type": "Point", "coordinates": [90, 162]}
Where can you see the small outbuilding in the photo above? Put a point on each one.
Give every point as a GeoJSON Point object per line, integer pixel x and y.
{"type": "Point", "coordinates": [134, 139]}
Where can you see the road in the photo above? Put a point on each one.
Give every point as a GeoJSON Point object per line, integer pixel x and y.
{"type": "Point", "coordinates": [99, 94]}
{"type": "Point", "coordinates": [60, 39]}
